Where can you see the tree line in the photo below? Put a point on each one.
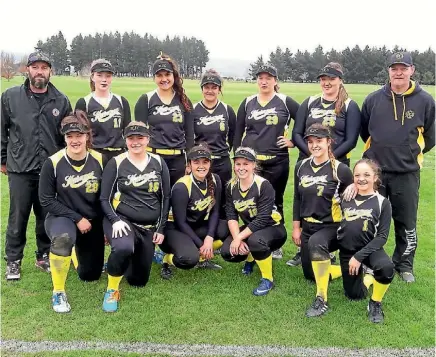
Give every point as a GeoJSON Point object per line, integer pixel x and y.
{"type": "Point", "coordinates": [367, 65]}
{"type": "Point", "coordinates": [130, 53]}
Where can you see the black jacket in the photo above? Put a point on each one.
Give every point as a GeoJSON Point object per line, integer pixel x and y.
{"type": "Point", "coordinates": [398, 128]}
{"type": "Point", "coordinates": [30, 133]}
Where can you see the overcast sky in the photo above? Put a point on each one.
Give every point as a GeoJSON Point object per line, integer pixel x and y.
{"type": "Point", "coordinates": [230, 28]}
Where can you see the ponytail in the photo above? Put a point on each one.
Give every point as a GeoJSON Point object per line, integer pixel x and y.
{"type": "Point", "coordinates": [342, 97]}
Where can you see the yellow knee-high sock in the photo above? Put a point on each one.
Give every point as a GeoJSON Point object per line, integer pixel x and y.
{"type": "Point", "coordinates": [379, 290]}
{"type": "Point", "coordinates": [168, 258]}
{"type": "Point", "coordinates": [368, 280]}
{"type": "Point", "coordinates": [113, 282]}
{"type": "Point", "coordinates": [217, 244]}
{"type": "Point", "coordinates": [265, 267]}
{"type": "Point", "coordinates": [74, 258]}
{"type": "Point", "coordinates": [335, 271]}
{"type": "Point", "coordinates": [249, 258]}
{"type": "Point", "coordinates": [321, 270]}
{"type": "Point", "coordinates": [59, 267]}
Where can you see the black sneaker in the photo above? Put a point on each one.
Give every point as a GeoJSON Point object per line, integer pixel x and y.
{"type": "Point", "coordinates": [13, 270]}
{"type": "Point", "coordinates": [318, 308]}
{"type": "Point", "coordinates": [166, 271]}
{"type": "Point", "coordinates": [407, 277]}
{"type": "Point", "coordinates": [207, 264]}
{"type": "Point", "coordinates": [375, 312]}
{"type": "Point", "coordinates": [43, 262]}
{"type": "Point", "coordinates": [295, 261]}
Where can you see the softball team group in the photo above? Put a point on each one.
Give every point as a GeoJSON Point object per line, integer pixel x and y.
{"type": "Point", "coordinates": [168, 180]}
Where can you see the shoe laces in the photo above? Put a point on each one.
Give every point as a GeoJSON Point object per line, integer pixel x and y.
{"type": "Point", "coordinates": [14, 267]}
{"type": "Point", "coordinates": [264, 284]}
{"type": "Point", "coordinates": [114, 296]}
{"type": "Point", "coordinates": [60, 297]}
{"type": "Point", "coordinates": [377, 308]}
{"type": "Point", "coordinates": [318, 302]}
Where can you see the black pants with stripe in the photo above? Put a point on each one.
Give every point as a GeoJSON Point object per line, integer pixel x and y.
{"type": "Point", "coordinates": [378, 261]}
{"type": "Point", "coordinates": [402, 190]}
{"type": "Point", "coordinates": [261, 243]}
{"type": "Point", "coordinates": [131, 255]}
{"type": "Point", "coordinates": [223, 168]}
{"type": "Point", "coordinates": [276, 171]}
{"type": "Point", "coordinates": [186, 253]}
{"type": "Point", "coordinates": [317, 241]}
{"type": "Point", "coordinates": [89, 246]}
{"type": "Point", "coordinates": [23, 196]}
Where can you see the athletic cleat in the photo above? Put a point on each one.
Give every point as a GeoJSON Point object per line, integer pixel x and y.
{"type": "Point", "coordinates": [207, 264]}
{"type": "Point", "coordinates": [295, 261]}
{"type": "Point", "coordinates": [375, 312]}
{"type": "Point", "coordinates": [110, 301]}
{"type": "Point", "coordinates": [407, 277]}
{"type": "Point", "coordinates": [264, 287]}
{"type": "Point", "coordinates": [43, 262]}
{"type": "Point", "coordinates": [217, 251]}
{"type": "Point", "coordinates": [13, 270]}
{"type": "Point", "coordinates": [277, 254]}
{"type": "Point", "coordinates": [248, 268]}
{"type": "Point", "coordinates": [318, 308]}
{"type": "Point", "coordinates": [166, 271]}
{"type": "Point", "coordinates": [104, 268]}
{"type": "Point", "coordinates": [60, 303]}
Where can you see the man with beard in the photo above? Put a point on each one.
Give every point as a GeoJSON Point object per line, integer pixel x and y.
{"type": "Point", "coordinates": [30, 123]}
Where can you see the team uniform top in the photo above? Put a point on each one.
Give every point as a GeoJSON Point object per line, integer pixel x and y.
{"type": "Point", "coordinates": [264, 123]}
{"type": "Point", "coordinates": [69, 188]}
{"type": "Point", "coordinates": [317, 193]}
{"type": "Point", "coordinates": [215, 127]}
{"type": "Point", "coordinates": [107, 119]}
{"type": "Point", "coordinates": [365, 224]}
{"type": "Point", "coordinates": [344, 127]}
{"type": "Point", "coordinates": [254, 206]}
{"type": "Point", "coordinates": [191, 204]}
{"type": "Point", "coordinates": [140, 196]}
{"type": "Point", "coordinates": [170, 125]}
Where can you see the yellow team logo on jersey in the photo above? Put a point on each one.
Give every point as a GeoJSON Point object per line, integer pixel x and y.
{"type": "Point", "coordinates": [138, 180]}
{"type": "Point", "coordinates": [202, 204]}
{"type": "Point", "coordinates": [352, 214]}
{"type": "Point", "coordinates": [410, 114]}
{"type": "Point", "coordinates": [75, 181]}
{"type": "Point", "coordinates": [246, 205]}
{"type": "Point", "coordinates": [307, 181]}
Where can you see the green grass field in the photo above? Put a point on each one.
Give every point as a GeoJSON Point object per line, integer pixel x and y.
{"type": "Point", "coordinates": [217, 307]}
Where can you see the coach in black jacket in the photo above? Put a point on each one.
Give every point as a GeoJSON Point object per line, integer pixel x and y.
{"type": "Point", "coordinates": [30, 122]}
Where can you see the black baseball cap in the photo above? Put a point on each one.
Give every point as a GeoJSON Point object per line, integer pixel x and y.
{"type": "Point", "coordinates": [267, 69]}
{"type": "Point", "coordinates": [400, 58]}
{"type": "Point", "coordinates": [103, 67]}
{"type": "Point", "coordinates": [162, 65]}
{"type": "Point", "coordinates": [245, 153]}
{"type": "Point", "coordinates": [211, 79]}
{"type": "Point", "coordinates": [199, 153]}
{"type": "Point", "coordinates": [318, 132]}
{"type": "Point", "coordinates": [330, 72]}
{"type": "Point", "coordinates": [38, 56]}
{"type": "Point", "coordinates": [74, 127]}
{"type": "Point", "coordinates": [136, 130]}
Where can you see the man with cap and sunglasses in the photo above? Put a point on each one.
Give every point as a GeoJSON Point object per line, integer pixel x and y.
{"type": "Point", "coordinates": [331, 108]}
{"type": "Point", "coordinates": [262, 124]}
{"type": "Point", "coordinates": [214, 124]}
{"type": "Point", "coordinates": [109, 113]}
{"type": "Point", "coordinates": [398, 128]}
{"type": "Point", "coordinates": [30, 122]}
{"type": "Point", "coordinates": [69, 190]}
{"type": "Point", "coordinates": [135, 197]}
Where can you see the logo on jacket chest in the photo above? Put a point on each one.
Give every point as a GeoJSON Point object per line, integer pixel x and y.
{"type": "Point", "coordinates": [410, 114]}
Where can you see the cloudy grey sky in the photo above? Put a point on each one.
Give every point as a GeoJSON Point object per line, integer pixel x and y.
{"type": "Point", "coordinates": [233, 29]}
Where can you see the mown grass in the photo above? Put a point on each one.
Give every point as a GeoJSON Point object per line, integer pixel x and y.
{"type": "Point", "coordinates": [217, 307]}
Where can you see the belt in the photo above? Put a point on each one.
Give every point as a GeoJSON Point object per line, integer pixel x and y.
{"type": "Point", "coordinates": [165, 151]}
{"type": "Point", "coordinates": [149, 226]}
{"type": "Point", "coordinates": [265, 157]}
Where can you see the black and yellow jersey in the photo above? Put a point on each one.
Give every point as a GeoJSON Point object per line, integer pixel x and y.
{"type": "Point", "coordinates": [344, 127]}
{"type": "Point", "coordinates": [317, 192]}
{"type": "Point", "coordinates": [171, 125]}
{"type": "Point", "coordinates": [259, 125]}
{"type": "Point", "coordinates": [254, 206]}
{"type": "Point", "coordinates": [142, 196]}
{"type": "Point", "coordinates": [108, 119]}
{"type": "Point", "coordinates": [216, 127]}
{"type": "Point", "coordinates": [365, 224]}
{"type": "Point", "coordinates": [69, 188]}
{"type": "Point", "coordinates": [192, 205]}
